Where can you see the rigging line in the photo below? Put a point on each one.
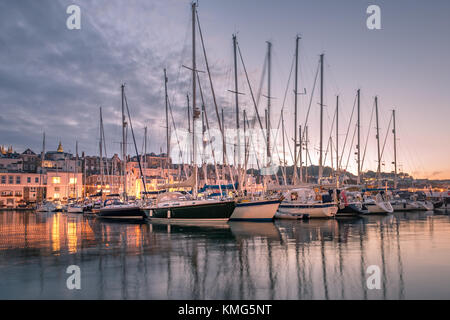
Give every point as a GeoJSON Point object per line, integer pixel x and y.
{"type": "Point", "coordinates": [310, 101]}
{"type": "Point", "coordinates": [282, 107]}
{"type": "Point", "coordinates": [385, 138]}
{"type": "Point", "coordinates": [331, 133]}
{"type": "Point", "coordinates": [135, 146]}
{"type": "Point", "coordinates": [309, 108]}
{"type": "Point", "coordinates": [209, 135]}
{"type": "Point", "coordinates": [261, 80]}
{"type": "Point", "coordinates": [350, 152]}
{"type": "Point", "coordinates": [251, 90]}
{"type": "Point", "coordinates": [348, 130]}
{"type": "Point", "coordinates": [367, 139]}
{"type": "Point", "coordinates": [210, 79]}
{"type": "Point", "coordinates": [176, 135]}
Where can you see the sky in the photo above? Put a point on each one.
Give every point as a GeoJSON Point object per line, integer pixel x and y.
{"type": "Point", "coordinates": [54, 79]}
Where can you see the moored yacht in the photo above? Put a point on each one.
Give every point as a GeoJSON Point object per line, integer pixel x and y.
{"type": "Point", "coordinates": [74, 208]}
{"type": "Point", "coordinates": [377, 205]}
{"type": "Point", "coordinates": [304, 202]}
{"type": "Point", "coordinates": [46, 207]}
{"type": "Point", "coordinates": [255, 210]}
{"type": "Point", "coordinates": [116, 209]}
{"type": "Point", "coordinates": [180, 207]}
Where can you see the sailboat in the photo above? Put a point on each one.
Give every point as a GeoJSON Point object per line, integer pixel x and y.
{"type": "Point", "coordinates": [184, 207]}
{"type": "Point", "coordinates": [115, 208]}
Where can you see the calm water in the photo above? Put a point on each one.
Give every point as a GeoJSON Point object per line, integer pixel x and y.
{"type": "Point", "coordinates": [316, 259]}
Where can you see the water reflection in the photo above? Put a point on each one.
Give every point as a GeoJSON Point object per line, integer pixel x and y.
{"type": "Point", "coordinates": [315, 259]}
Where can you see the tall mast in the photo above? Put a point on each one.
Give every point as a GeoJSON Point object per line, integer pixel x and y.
{"type": "Point", "coordinates": [337, 135]}
{"type": "Point", "coordinates": [321, 120]}
{"type": "Point", "coordinates": [124, 146]}
{"type": "Point", "coordinates": [144, 159]}
{"type": "Point", "coordinates": [306, 158]}
{"type": "Point", "coordinates": [395, 150]}
{"type": "Point", "coordinates": [284, 147]}
{"type": "Point", "coordinates": [269, 97]}
{"type": "Point", "coordinates": [167, 123]}
{"type": "Point", "coordinates": [101, 152]}
{"type": "Point", "coordinates": [194, 83]}
{"type": "Point", "coordinates": [236, 95]}
{"type": "Point", "coordinates": [300, 153]}
{"type": "Point", "coordinates": [295, 114]}
{"type": "Point", "coordinates": [378, 142]}
{"type": "Point", "coordinates": [359, 136]}
{"type": "Point", "coordinates": [76, 170]}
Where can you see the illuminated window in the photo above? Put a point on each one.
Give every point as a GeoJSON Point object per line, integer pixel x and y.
{"type": "Point", "coordinates": [73, 180]}
{"type": "Point", "coordinates": [56, 179]}
{"type": "Point", "coordinates": [56, 195]}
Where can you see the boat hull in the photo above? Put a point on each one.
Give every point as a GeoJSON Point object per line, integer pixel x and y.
{"type": "Point", "coordinates": [255, 210]}
{"type": "Point", "coordinates": [198, 212]}
{"type": "Point", "coordinates": [310, 210]}
{"type": "Point", "coordinates": [404, 206]}
{"type": "Point", "coordinates": [350, 210]}
{"type": "Point", "coordinates": [379, 208]}
{"type": "Point", "coordinates": [117, 212]}
{"type": "Point", "coordinates": [425, 205]}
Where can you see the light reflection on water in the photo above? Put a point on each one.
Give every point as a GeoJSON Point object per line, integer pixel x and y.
{"type": "Point", "coordinates": [316, 259]}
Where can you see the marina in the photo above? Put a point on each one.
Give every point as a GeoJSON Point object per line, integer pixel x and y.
{"type": "Point", "coordinates": [199, 151]}
{"type": "Point", "coordinates": [285, 259]}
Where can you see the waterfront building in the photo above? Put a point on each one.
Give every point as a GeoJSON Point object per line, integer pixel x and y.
{"type": "Point", "coordinates": [21, 189]}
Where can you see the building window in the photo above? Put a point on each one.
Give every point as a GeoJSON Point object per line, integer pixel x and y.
{"type": "Point", "coordinates": [73, 180]}
{"type": "Point", "coordinates": [17, 179]}
{"type": "Point", "coordinates": [18, 193]}
{"type": "Point", "coordinates": [56, 180]}
{"type": "Point", "coordinates": [3, 179]}
{"type": "Point", "coordinates": [28, 179]}
{"type": "Point", "coordinates": [10, 179]}
{"type": "Point", "coordinates": [56, 195]}
{"type": "Point", "coordinates": [56, 188]}
{"type": "Point", "coordinates": [36, 180]}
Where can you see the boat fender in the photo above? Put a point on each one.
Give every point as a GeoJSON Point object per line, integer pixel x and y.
{"type": "Point", "coordinates": [168, 214]}
{"type": "Point", "coordinates": [151, 212]}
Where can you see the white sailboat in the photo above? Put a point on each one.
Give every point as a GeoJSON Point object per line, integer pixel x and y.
{"type": "Point", "coordinates": [305, 203]}
{"type": "Point", "coordinates": [378, 204]}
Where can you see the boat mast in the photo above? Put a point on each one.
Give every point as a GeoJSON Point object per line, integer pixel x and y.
{"type": "Point", "coordinates": [306, 153]}
{"type": "Point", "coordinates": [76, 170]}
{"type": "Point", "coordinates": [378, 142]}
{"type": "Point", "coordinates": [284, 147]}
{"type": "Point", "coordinates": [359, 136]}
{"type": "Point", "coordinates": [295, 116]}
{"type": "Point", "coordinates": [337, 135]}
{"type": "Point", "coordinates": [395, 150]}
{"type": "Point", "coordinates": [194, 70]}
{"type": "Point", "coordinates": [236, 97]}
{"type": "Point", "coordinates": [101, 153]}
{"type": "Point", "coordinates": [167, 124]}
{"type": "Point", "coordinates": [321, 120]}
{"type": "Point", "coordinates": [124, 146]}
{"type": "Point", "coordinates": [269, 67]}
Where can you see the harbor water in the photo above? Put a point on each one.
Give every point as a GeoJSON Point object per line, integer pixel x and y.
{"type": "Point", "coordinates": [312, 259]}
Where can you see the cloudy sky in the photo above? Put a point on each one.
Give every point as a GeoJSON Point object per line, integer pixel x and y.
{"type": "Point", "coordinates": [53, 79]}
